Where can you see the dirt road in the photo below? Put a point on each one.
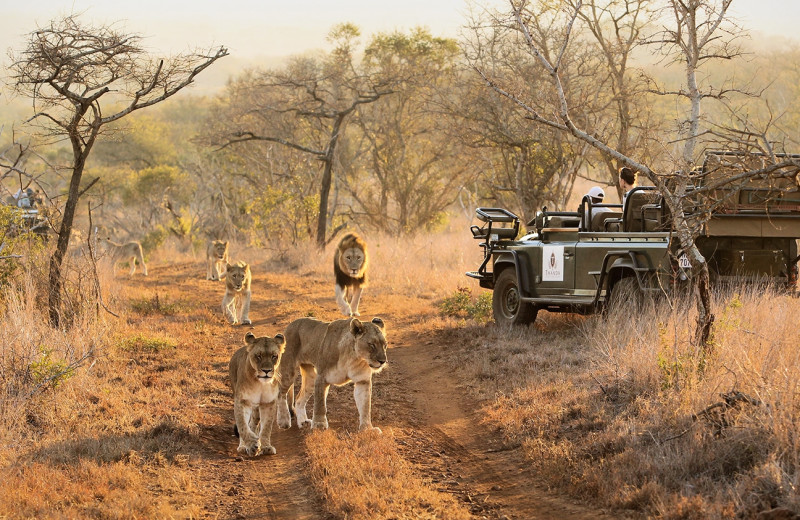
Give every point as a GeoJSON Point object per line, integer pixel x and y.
{"type": "Point", "coordinates": [436, 423]}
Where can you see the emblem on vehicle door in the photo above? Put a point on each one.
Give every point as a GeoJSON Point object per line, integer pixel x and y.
{"type": "Point", "coordinates": [553, 263]}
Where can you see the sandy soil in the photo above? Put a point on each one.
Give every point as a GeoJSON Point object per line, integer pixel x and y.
{"type": "Point", "coordinates": [436, 425]}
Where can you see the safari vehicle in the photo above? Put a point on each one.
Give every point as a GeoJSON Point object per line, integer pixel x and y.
{"type": "Point", "coordinates": [23, 220]}
{"type": "Point", "coordinates": [567, 263]}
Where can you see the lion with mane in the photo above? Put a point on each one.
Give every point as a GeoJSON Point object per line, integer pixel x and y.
{"type": "Point", "coordinates": [350, 270]}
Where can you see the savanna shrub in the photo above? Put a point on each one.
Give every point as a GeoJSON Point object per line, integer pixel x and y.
{"type": "Point", "coordinates": [461, 304]}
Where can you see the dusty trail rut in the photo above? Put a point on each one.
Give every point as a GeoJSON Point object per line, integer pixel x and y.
{"type": "Point", "coordinates": [436, 424]}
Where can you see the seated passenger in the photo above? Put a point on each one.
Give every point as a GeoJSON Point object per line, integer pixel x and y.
{"type": "Point", "coordinates": [596, 194]}
{"type": "Point", "coordinates": [627, 181]}
{"type": "Point", "coordinates": [23, 198]}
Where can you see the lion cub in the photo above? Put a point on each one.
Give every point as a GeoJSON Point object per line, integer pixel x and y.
{"type": "Point", "coordinates": [331, 354]}
{"type": "Point", "coordinates": [236, 302]}
{"type": "Point", "coordinates": [350, 270]}
{"type": "Point", "coordinates": [131, 251]}
{"type": "Point", "coordinates": [254, 381]}
{"type": "Point", "coordinates": [216, 257]}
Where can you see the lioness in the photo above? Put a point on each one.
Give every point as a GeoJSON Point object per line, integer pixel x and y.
{"type": "Point", "coordinates": [254, 381]}
{"type": "Point", "coordinates": [331, 354]}
{"type": "Point", "coordinates": [131, 251]}
{"type": "Point", "coordinates": [350, 269]}
{"type": "Point", "coordinates": [216, 257]}
{"type": "Point", "coordinates": [236, 302]}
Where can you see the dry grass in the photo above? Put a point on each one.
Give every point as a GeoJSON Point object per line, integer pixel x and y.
{"type": "Point", "coordinates": [426, 266]}
{"type": "Point", "coordinates": [612, 408]}
{"type": "Point", "coordinates": [100, 418]}
{"type": "Point", "coordinates": [95, 420]}
{"type": "Point", "coordinates": [362, 476]}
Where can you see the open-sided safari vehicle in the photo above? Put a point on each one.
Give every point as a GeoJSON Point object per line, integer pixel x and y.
{"type": "Point", "coordinates": [568, 263]}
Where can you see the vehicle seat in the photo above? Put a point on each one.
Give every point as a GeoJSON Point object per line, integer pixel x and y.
{"type": "Point", "coordinates": [641, 210]}
{"type": "Point", "coordinates": [565, 221]}
{"type": "Point", "coordinates": [599, 219]}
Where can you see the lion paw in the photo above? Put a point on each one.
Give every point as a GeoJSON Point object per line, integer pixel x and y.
{"type": "Point", "coordinates": [319, 425]}
{"type": "Point", "coordinates": [250, 450]}
{"type": "Point", "coordinates": [268, 450]}
{"type": "Point", "coordinates": [246, 322]}
{"type": "Point", "coordinates": [373, 429]}
{"type": "Point", "coordinates": [304, 423]}
{"type": "Point", "coordinates": [284, 422]}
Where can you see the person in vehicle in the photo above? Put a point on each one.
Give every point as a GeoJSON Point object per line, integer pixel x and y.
{"type": "Point", "coordinates": [596, 194]}
{"type": "Point", "coordinates": [627, 181]}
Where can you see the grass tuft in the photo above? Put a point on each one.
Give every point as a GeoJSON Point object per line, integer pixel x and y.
{"type": "Point", "coordinates": [156, 305]}
{"type": "Point", "coordinates": [143, 343]}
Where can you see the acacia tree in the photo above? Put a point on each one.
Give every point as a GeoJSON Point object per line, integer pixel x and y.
{"type": "Point", "coordinates": [616, 27]}
{"type": "Point", "coordinates": [305, 106]}
{"type": "Point", "coordinates": [698, 37]}
{"type": "Point", "coordinates": [406, 169]}
{"type": "Point", "coordinates": [528, 166]}
{"type": "Point", "coordinates": [73, 71]}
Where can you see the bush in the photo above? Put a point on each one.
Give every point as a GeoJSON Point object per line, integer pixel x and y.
{"type": "Point", "coordinates": [154, 239]}
{"type": "Point", "coordinates": [462, 305]}
{"type": "Point", "coordinates": [49, 370]}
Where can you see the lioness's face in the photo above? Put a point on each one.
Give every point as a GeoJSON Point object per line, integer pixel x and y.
{"type": "Point", "coordinates": [370, 341]}
{"type": "Point", "coordinates": [264, 354]}
{"type": "Point", "coordinates": [351, 260]}
{"type": "Point", "coordinates": [237, 275]}
{"type": "Point", "coordinates": [219, 248]}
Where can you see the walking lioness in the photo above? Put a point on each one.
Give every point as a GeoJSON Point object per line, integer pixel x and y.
{"type": "Point", "coordinates": [216, 257]}
{"type": "Point", "coordinates": [236, 302]}
{"type": "Point", "coordinates": [330, 354]}
{"type": "Point", "coordinates": [131, 251]}
{"type": "Point", "coordinates": [253, 377]}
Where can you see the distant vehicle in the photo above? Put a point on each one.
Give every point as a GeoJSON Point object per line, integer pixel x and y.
{"type": "Point", "coordinates": [567, 265]}
{"type": "Point", "coordinates": [25, 214]}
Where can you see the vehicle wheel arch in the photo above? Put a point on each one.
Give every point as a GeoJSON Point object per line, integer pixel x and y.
{"type": "Point", "coordinates": [617, 273]}
{"type": "Point", "coordinates": [502, 263]}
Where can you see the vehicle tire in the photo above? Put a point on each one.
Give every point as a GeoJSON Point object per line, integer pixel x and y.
{"type": "Point", "coordinates": [507, 306]}
{"type": "Point", "coordinates": [625, 294]}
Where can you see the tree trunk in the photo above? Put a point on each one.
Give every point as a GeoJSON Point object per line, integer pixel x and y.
{"type": "Point", "coordinates": [80, 151]}
{"type": "Point", "coordinates": [700, 278]}
{"type": "Point", "coordinates": [705, 319]}
{"type": "Point", "coordinates": [325, 184]}
{"type": "Point", "coordinates": [56, 261]}
{"type": "Point", "coordinates": [324, 191]}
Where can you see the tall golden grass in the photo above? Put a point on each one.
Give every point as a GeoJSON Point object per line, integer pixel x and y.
{"type": "Point", "coordinates": [625, 410]}
{"type": "Point", "coordinates": [91, 425]}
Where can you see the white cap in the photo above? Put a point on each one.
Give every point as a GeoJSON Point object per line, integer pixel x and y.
{"type": "Point", "coordinates": [596, 192]}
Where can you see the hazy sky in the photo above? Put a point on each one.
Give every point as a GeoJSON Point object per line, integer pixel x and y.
{"type": "Point", "coordinates": [257, 29]}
